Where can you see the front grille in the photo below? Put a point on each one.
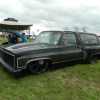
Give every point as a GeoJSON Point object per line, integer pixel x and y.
{"type": "Point", "coordinates": [7, 57]}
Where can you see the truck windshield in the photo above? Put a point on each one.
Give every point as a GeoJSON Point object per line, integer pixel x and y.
{"type": "Point", "coordinates": [48, 37]}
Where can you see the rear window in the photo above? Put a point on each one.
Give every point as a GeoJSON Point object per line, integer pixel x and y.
{"type": "Point", "coordinates": [88, 39]}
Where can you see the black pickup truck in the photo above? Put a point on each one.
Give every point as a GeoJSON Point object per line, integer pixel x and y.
{"type": "Point", "coordinates": [50, 48]}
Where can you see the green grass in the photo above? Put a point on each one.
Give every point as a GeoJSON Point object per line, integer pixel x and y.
{"type": "Point", "coordinates": [6, 40]}
{"type": "Point", "coordinates": [3, 39]}
{"type": "Point", "coordinates": [78, 82]}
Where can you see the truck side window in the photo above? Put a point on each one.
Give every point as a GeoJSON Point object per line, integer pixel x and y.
{"type": "Point", "coordinates": [68, 39]}
{"type": "Point", "coordinates": [88, 39]}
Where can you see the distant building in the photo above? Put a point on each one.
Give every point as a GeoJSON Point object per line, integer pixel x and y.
{"type": "Point", "coordinates": [11, 19]}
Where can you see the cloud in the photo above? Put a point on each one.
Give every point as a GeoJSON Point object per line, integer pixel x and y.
{"type": "Point", "coordinates": [53, 14]}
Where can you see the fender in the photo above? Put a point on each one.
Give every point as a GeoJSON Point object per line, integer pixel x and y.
{"type": "Point", "coordinates": [37, 60]}
{"type": "Point", "coordinates": [91, 51]}
{"type": "Point", "coordinates": [24, 62]}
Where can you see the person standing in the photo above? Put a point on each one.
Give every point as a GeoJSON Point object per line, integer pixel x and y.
{"type": "Point", "coordinates": [23, 37]}
{"type": "Point", "coordinates": [15, 39]}
{"type": "Point", "coordinates": [9, 39]}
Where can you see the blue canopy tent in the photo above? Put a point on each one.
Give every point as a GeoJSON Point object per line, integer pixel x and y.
{"type": "Point", "coordinates": [13, 32]}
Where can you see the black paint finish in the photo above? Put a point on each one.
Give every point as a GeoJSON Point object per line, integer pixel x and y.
{"type": "Point", "coordinates": [21, 54]}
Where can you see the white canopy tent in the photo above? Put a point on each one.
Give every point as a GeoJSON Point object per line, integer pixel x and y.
{"type": "Point", "coordinates": [12, 24]}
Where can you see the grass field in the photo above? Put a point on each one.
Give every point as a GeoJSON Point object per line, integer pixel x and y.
{"type": "Point", "coordinates": [6, 40]}
{"type": "Point", "coordinates": [78, 82]}
{"type": "Point", "coordinates": [3, 39]}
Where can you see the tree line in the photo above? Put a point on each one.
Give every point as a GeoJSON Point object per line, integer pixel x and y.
{"type": "Point", "coordinates": [77, 29]}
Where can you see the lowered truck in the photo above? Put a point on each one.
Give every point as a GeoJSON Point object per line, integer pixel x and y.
{"type": "Point", "coordinates": [48, 49]}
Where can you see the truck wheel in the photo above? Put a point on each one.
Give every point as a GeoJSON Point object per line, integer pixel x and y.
{"type": "Point", "coordinates": [38, 67]}
{"type": "Point", "coordinates": [92, 59]}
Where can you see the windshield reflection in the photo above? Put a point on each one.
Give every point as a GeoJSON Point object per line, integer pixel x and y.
{"type": "Point", "coordinates": [48, 37]}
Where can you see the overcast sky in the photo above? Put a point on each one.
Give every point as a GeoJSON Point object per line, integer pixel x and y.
{"type": "Point", "coordinates": [54, 14]}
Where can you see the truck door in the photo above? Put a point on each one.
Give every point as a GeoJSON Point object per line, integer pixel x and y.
{"type": "Point", "coordinates": [69, 48]}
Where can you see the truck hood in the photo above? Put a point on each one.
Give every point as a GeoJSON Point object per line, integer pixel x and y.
{"type": "Point", "coordinates": [23, 47]}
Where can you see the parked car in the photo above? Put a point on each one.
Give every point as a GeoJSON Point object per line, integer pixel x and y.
{"type": "Point", "coordinates": [32, 37]}
{"type": "Point", "coordinates": [48, 49]}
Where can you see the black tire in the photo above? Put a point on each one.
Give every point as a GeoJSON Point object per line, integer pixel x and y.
{"type": "Point", "coordinates": [38, 67]}
{"type": "Point", "coordinates": [92, 59]}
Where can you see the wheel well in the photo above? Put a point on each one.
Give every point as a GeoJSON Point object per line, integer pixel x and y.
{"type": "Point", "coordinates": [50, 62]}
{"type": "Point", "coordinates": [96, 55]}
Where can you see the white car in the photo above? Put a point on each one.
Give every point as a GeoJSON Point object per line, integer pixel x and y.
{"type": "Point", "coordinates": [32, 37]}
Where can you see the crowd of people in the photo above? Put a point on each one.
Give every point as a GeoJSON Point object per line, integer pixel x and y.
{"type": "Point", "coordinates": [13, 38]}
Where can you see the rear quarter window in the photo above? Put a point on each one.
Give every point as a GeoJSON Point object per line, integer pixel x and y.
{"type": "Point", "coordinates": [88, 39]}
